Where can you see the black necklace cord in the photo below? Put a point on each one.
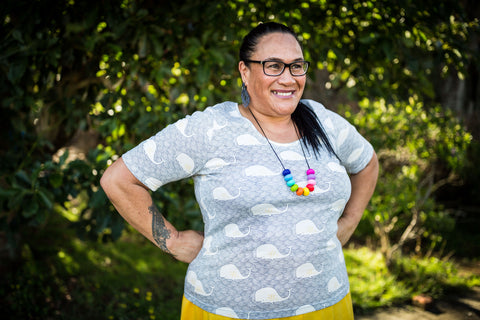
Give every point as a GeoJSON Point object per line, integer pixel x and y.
{"type": "Point", "coordinates": [273, 149]}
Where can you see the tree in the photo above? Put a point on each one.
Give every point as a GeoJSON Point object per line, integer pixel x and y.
{"type": "Point", "coordinates": [121, 70]}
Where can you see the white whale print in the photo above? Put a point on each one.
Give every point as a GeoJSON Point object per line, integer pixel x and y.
{"type": "Point", "coordinates": [336, 167]}
{"type": "Point", "coordinates": [231, 272]}
{"type": "Point", "coordinates": [307, 227]}
{"type": "Point", "coordinates": [269, 251]}
{"type": "Point", "coordinates": [182, 126]}
{"type": "Point", "coordinates": [150, 148]}
{"type": "Point", "coordinates": [216, 127]}
{"type": "Point", "coordinates": [259, 171]}
{"type": "Point", "coordinates": [304, 309]}
{"type": "Point", "coordinates": [226, 312]}
{"type": "Point", "coordinates": [210, 216]}
{"type": "Point", "coordinates": [266, 209]}
{"type": "Point", "coordinates": [247, 140]}
{"type": "Point", "coordinates": [328, 123]}
{"type": "Point", "coordinates": [232, 231]}
{"type": "Point", "coordinates": [355, 154]}
{"type": "Point", "coordinates": [153, 183]}
{"type": "Point", "coordinates": [342, 136]}
{"type": "Point", "coordinates": [317, 189]}
{"type": "Point", "coordinates": [333, 285]}
{"type": "Point", "coordinates": [269, 295]}
{"type": "Point", "coordinates": [217, 163]}
{"type": "Point", "coordinates": [331, 244]}
{"type": "Point", "coordinates": [291, 155]}
{"type": "Point", "coordinates": [221, 193]}
{"type": "Point", "coordinates": [186, 162]}
{"type": "Point", "coordinates": [207, 245]}
{"type": "Point", "coordinates": [306, 270]}
{"type": "Point", "coordinates": [338, 205]}
{"type": "Point", "coordinates": [197, 284]}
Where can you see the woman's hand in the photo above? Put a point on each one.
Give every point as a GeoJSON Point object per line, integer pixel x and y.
{"type": "Point", "coordinates": [133, 201]}
{"type": "Point", "coordinates": [186, 245]}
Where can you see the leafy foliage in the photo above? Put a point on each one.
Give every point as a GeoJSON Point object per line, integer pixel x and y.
{"type": "Point", "coordinates": [419, 151]}
{"type": "Point", "coordinates": [125, 69]}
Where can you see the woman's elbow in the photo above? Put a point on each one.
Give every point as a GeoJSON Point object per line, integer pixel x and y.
{"type": "Point", "coordinates": [109, 178]}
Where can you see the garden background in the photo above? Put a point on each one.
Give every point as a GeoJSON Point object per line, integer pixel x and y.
{"type": "Point", "coordinates": [81, 82]}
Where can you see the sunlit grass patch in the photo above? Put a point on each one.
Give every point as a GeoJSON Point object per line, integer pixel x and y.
{"type": "Point", "coordinates": [372, 285]}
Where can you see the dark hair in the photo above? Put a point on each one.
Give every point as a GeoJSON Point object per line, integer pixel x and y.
{"type": "Point", "coordinates": [308, 125]}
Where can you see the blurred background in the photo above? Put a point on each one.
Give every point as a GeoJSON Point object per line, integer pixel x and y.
{"type": "Point", "coordinates": [82, 82]}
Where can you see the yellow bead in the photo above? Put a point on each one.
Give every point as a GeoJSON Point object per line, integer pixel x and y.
{"type": "Point", "coordinates": [306, 192]}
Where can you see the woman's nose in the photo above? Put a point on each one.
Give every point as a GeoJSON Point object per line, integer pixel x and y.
{"type": "Point", "coordinates": [286, 77]}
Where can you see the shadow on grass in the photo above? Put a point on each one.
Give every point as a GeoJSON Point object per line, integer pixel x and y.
{"type": "Point", "coordinates": [61, 277]}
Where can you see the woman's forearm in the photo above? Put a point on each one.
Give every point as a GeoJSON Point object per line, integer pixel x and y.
{"type": "Point", "coordinates": [134, 203]}
{"type": "Point", "coordinates": [363, 185]}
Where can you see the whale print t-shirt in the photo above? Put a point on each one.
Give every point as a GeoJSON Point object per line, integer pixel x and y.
{"type": "Point", "coordinates": [267, 252]}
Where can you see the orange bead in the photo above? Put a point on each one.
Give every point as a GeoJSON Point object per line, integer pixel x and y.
{"type": "Point", "coordinates": [299, 191]}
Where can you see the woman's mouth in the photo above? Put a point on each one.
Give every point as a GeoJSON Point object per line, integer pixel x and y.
{"type": "Point", "coordinates": [283, 93]}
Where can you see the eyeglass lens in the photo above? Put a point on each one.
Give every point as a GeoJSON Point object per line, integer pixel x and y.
{"type": "Point", "coordinates": [275, 68]}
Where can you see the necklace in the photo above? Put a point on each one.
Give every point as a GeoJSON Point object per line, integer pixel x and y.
{"type": "Point", "coordinates": [287, 174]}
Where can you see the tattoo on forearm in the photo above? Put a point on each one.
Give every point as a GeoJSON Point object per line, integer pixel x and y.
{"type": "Point", "coordinates": [159, 231]}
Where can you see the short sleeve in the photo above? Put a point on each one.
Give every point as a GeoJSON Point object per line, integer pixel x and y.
{"type": "Point", "coordinates": [352, 149]}
{"type": "Point", "coordinates": [176, 152]}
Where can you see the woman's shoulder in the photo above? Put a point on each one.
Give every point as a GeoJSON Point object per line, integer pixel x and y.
{"type": "Point", "coordinates": [224, 109]}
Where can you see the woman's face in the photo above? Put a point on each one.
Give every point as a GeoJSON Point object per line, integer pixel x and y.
{"type": "Point", "coordinates": [274, 96]}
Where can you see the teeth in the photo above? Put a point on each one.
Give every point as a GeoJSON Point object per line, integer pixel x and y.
{"type": "Point", "coordinates": [283, 93]}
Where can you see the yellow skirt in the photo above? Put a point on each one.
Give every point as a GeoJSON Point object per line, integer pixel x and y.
{"type": "Point", "coordinates": [343, 310]}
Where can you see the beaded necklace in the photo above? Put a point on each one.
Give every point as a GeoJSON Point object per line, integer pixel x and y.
{"type": "Point", "coordinates": [287, 175]}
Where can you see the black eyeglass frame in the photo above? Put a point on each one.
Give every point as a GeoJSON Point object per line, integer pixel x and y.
{"type": "Point", "coordinates": [262, 62]}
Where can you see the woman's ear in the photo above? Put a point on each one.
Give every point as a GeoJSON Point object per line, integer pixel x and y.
{"type": "Point", "coordinates": [244, 71]}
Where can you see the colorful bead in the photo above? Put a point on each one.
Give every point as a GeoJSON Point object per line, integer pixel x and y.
{"type": "Point", "coordinates": [299, 191]}
{"type": "Point", "coordinates": [288, 177]}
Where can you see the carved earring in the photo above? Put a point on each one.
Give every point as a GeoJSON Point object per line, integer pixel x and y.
{"type": "Point", "coordinates": [245, 96]}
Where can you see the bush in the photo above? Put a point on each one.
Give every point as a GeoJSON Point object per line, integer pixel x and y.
{"type": "Point", "coordinates": [420, 149]}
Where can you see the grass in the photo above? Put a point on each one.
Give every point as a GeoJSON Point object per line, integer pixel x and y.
{"type": "Point", "coordinates": [61, 277]}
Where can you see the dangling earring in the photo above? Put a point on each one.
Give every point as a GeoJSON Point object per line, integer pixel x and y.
{"type": "Point", "coordinates": [245, 96]}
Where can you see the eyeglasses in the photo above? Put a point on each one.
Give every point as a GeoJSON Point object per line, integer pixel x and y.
{"type": "Point", "coordinates": [275, 68]}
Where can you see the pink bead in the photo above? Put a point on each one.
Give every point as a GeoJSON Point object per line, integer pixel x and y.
{"type": "Point", "coordinates": [311, 177]}
{"type": "Point", "coordinates": [312, 182]}
{"type": "Point", "coordinates": [310, 171]}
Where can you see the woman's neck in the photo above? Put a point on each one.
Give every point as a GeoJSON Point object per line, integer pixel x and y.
{"type": "Point", "coordinates": [277, 128]}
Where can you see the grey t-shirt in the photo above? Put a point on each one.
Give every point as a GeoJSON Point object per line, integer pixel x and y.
{"type": "Point", "coordinates": [267, 253]}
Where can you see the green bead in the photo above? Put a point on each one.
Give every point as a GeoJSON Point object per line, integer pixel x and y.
{"type": "Point", "coordinates": [294, 187]}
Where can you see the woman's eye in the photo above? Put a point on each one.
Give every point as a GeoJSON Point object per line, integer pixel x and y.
{"type": "Point", "coordinates": [274, 66]}
{"type": "Point", "coordinates": [296, 66]}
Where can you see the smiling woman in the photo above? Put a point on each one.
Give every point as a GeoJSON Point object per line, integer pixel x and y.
{"type": "Point", "coordinates": [273, 240]}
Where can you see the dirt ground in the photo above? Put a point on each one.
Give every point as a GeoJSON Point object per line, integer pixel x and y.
{"type": "Point", "coordinates": [456, 308]}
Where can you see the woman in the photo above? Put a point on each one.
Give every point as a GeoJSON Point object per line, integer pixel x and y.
{"type": "Point", "coordinates": [281, 183]}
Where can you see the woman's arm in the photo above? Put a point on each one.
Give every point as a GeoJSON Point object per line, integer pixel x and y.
{"type": "Point", "coordinates": [133, 201]}
{"type": "Point", "coordinates": [363, 185]}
